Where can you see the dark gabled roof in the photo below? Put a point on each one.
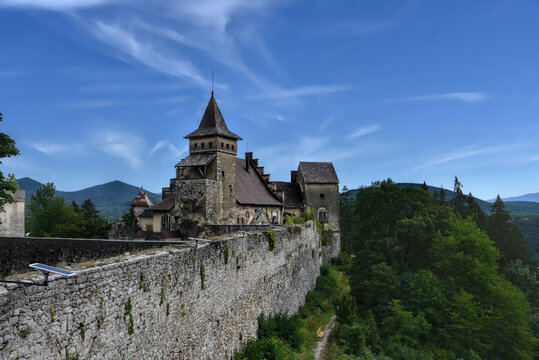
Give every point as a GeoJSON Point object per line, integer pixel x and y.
{"type": "Point", "coordinates": [164, 205]}
{"type": "Point", "coordinates": [197, 160]}
{"type": "Point", "coordinates": [292, 196]}
{"type": "Point", "coordinates": [141, 199]}
{"type": "Point", "coordinates": [251, 189]}
{"type": "Point", "coordinates": [145, 214]}
{"type": "Point", "coordinates": [318, 172]}
{"type": "Point", "coordinates": [212, 123]}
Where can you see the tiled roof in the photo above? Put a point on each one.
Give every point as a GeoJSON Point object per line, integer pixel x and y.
{"type": "Point", "coordinates": [145, 214]}
{"type": "Point", "coordinates": [292, 196]}
{"type": "Point", "coordinates": [212, 123]}
{"type": "Point", "coordinates": [141, 199]}
{"type": "Point", "coordinates": [250, 189]}
{"type": "Point", "coordinates": [197, 160]}
{"type": "Point", "coordinates": [318, 172]}
{"type": "Point", "coordinates": [164, 205]}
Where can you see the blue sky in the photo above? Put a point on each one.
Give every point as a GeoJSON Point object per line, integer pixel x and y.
{"type": "Point", "coordinates": [100, 90]}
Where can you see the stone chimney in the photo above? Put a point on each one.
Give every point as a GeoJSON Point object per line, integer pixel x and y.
{"type": "Point", "coordinates": [293, 176]}
{"type": "Point", "coordinates": [248, 159]}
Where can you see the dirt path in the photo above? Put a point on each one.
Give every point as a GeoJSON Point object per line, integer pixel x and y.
{"type": "Point", "coordinates": [322, 343]}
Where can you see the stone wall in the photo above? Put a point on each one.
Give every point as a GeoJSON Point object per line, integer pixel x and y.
{"type": "Point", "coordinates": [158, 306]}
{"type": "Point", "coordinates": [12, 218]}
{"type": "Point", "coordinates": [17, 253]}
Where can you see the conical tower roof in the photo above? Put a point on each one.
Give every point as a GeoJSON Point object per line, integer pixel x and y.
{"type": "Point", "coordinates": [141, 199]}
{"type": "Point", "coordinates": [212, 123]}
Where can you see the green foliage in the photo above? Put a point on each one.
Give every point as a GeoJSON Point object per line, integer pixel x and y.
{"type": "Point", "coordinates": [112, 199]}
{"type": "Point", "coordinates": [291, 220]}
{"type": "Point", "coordinates": [308, 214]}
{"type": "Point", "coordinates": [282, 326]}
{"type": "Point", "coordinates": [53, 314]}
{"type": "Point", "coordinates": [506, 235]}
{"type": "Point", "coordinates": [343, 262]}
{"type": "Point", "coordinates": [226, 254]}
{"type": "Point", "coordinates": [426, 283]}
{"type": "Point", "coordinates": [128, 218]}
{"type": "Point", "coordinates": [202, 275]}
{"type": "Point", "coordinates": [270, 236]}
{"type": "Point", "coordinates": [266, 348]}
{"type": "Point", "coordinates": [130, 322]}
{"type": "Point", "coordinates": [7, 183]}
{"type": "Point", "coordinates": [49, 216]}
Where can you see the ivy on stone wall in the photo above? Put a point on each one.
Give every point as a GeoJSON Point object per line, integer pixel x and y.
{"type": "Point", "coordinates": [226, 254]}
{"type": "Point", "coordinates": [202, 275]}
{"type": "Point", "coordinates": [270, 235]}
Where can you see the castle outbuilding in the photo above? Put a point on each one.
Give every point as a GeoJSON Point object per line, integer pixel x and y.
{"type": "Point", "coordinates": [213, 186]}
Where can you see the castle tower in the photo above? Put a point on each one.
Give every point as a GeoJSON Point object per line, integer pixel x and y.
{"type": "Point", "coordinates": [209, 172]}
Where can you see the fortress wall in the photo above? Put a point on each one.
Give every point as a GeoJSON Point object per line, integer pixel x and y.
{"type": "Point", "coordinates": [16, 253]}
{"type": "Point", "coordinates": [173, 317]}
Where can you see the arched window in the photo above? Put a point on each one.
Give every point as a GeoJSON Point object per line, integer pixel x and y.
{"type": "Point", "coordinates": [323, 215]}
{"type": "Point", "coordinates": [165, 223]}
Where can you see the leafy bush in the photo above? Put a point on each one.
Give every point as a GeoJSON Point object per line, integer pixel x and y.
{"type": "Point", "coordinates": [270, 236]}
{"type": "Point", "coordinates": [266, 348]}
{"type": "Point", "coordinates": [282, 326]}
{"type": "Point", "coordinates": [291, 220]}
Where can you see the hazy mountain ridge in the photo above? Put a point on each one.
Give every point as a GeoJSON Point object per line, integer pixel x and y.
{"type": "Point", "coordinates": [531, 197]}
{"type": "Point", "coordinates": [517, 208]}
{"type": "Point", "coordinates": [111, 199]}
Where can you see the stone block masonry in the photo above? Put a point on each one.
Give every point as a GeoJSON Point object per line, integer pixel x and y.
{"type": "Point", "coordinates": [189, 303]}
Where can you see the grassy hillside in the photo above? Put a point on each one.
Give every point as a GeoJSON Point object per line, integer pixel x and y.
{"type": "Point", "coordinates": [111, 199]}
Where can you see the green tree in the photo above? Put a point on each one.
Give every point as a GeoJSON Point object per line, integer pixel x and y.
{"type": "Point", "coordinates": [8, 183]}
{"type": "Point", "coordinates": [458, 202]}
{"type": "Point", "coordinates": [48, 214]}
{"type": "Point", "coordinates": [506, 235]}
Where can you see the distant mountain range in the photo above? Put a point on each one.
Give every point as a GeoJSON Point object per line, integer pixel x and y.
{"type": "Point", "coordinates": [111, 199]}
{"type": "Point", "coordinates": [516, 205]}
{"type": "Point", "coordinates": [533, 197]}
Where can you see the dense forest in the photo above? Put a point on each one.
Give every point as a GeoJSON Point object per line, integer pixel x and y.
{"type": "Point", "coordinates": [434, 279]}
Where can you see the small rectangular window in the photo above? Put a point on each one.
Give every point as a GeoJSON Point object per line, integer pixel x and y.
{"type": "Point", "coordinates": [209, 144]}
{"type": "Point", "coordinates": [196, 145]}
{"type": "Point", "coordinates": [228, 146]}
{"type": "Point", "coordinates": [223, 173]}
{"type": "Point", "coordinates": [222, 145]}
{"type": "Point", "coordinates": [232, 147]}
{"type": "Point", "coordinates": [202, 145]}
{"type": "Point", "coordinates": [322, 196]}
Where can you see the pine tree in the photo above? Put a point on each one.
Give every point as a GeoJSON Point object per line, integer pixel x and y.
{"type": "Point", "coordinates": [506, 235]}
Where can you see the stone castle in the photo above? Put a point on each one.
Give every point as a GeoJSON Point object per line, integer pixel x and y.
{"type": "Point", "coordinates": [213, 186]}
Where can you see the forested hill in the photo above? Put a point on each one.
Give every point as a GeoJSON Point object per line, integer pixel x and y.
{"type": "Point", "coordinates": [111, 199]}
{"type": "Point", "coordinates": [517, 208]}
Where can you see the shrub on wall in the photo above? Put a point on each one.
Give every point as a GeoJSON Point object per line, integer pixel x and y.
{"type": "Point", "coordinates": [270, 235]}
{"type": "Point", "coordinates": [202, 275]}
{"type": "Point", "coordinates": [226, 254]}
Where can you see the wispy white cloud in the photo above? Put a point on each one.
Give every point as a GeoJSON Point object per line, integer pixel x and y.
{"type": "Point", "coordinates": [364, 131]}
{"type": "Point", "coordinates": [168, 145]}
{"type": "Point", "coordinates": [295, 93]}
{"type": "Point", "coordinates": [125, 41]}
{"type": "Point", "coordinates": [467, 152]}
{"type": "Point", "coordinates": [49, 149]}
{"type": "Point", "coordinates": [470, 97]}
{"type": "Point", "coordinates": [54, 4]}
{"type": "Point", "coordinates": [123, 145]}
{"type": "Point", "coordinates": [327, 122]}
